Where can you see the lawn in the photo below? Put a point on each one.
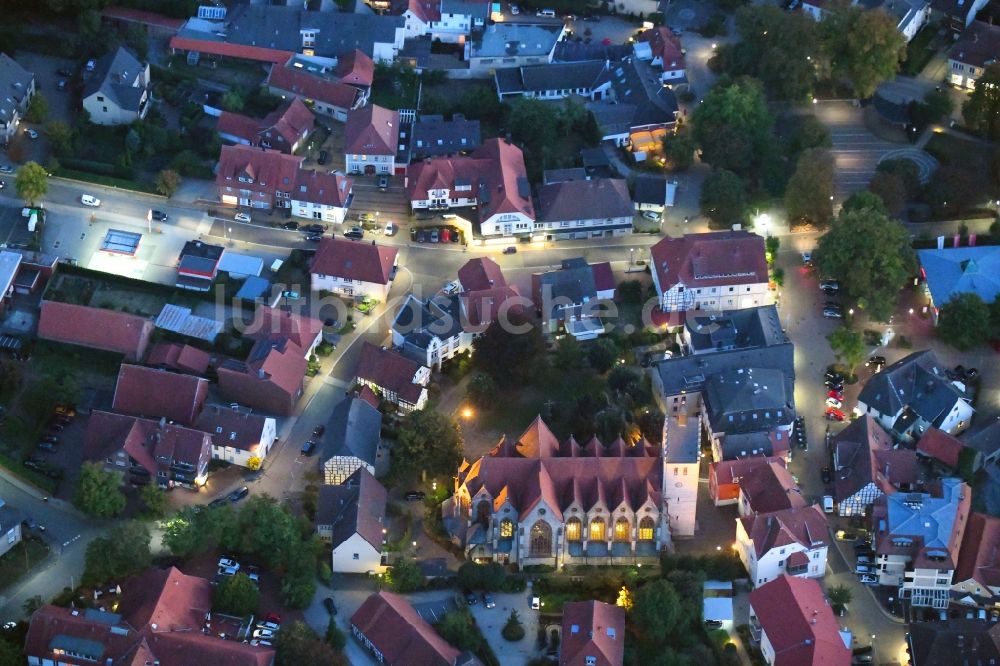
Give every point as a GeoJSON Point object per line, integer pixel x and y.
{"type": "Point", "coordinates": [395, 87]}
{"type": "Point", "coordinates": [20, 559]}
{"type": "Point", "coordinates": [919, 51]}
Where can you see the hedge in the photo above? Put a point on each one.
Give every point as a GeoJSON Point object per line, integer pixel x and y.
{"type": "Point", "coordinates": [107, 181]}
{"type": "Point", "coordinates": [100, 168]}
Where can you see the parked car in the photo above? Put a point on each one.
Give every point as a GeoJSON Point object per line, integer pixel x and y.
{"type": "Point", "coordinates": [421, 236]}
{"type": "Point", "coordinates": [488, 600]}
{"type": "Point", "coordinates": [355, 233]}
{"type": "Point", "coordinates": [836, 395]}
{"type": "Point", "coordinates": [832, 311]}
{"type": "Point", "coordinates": [47, 446]}
{"type": "Point", "coordinates": [829, 284]}
{"type": "Point", "coordinates": [470, 598]}
{"type": "Point", "coordinates": [835, 386]}
{"type": "Point", "coordinates": [158, 215]}
{"type": "Point", "coordinates": [868, 579]}
{"type": "Point", "coordinates": [833, 402]}
{"type": "Point", "coordinates": [435, 235]}
{"type": "Point", "coordinates": [833, 414]}
{"type": "Point", "coordinates": [32, 134]}
{"type": "Point", "coordinates": [238, 494]}
{"type": "Point", "coordinates": [88, 200]}
{"type": "Point", "coordinates": [713, 624]}
{"type": "Point", "coordinates": [314, 238]}
{"type": "Point", "coordinates": [515, 10]}
{"type": "Point", "coordinates": [228, 562]}
{"type": "Point", "coordinates": [875, 362]}
{"type": "Point", "coordinates": [322, 157]}
{"type": "Point", "coordinates": [445, 235]}
{"type": "Point", "coordinates": [825, 475]}
{"type": "Point", "coordinates": [536, 603]}
{"type": "Point", "coordinates": [510, 249]}
{"type": "Point", "coordinates": [272, 626]}
{"type": "Point", "coordinates": [414, 496]}
{"type": "Point", "coordinates": [833, 376]}
{"type": "Point", "coordinates": [807, 258]}
{"type": "Point", "coordinates": [864, 559]}
{"type": "Point", "coordinates": [273, 617]}
{"type": "Point", "coordinates": [456, 234]}
{"type": "Point", "coordinates": [319, 430]}
{"type": "Point", "coordinates": [6, 168]}
{"type": "Point", "coordinates": [863, 569]}
{"type": "Point", "coordinates": [651, 215]}
{"type": "Point", "coordinates": [263, 633]}
{"type": "Point", "coordinates": [290, 226]}
{"type": "Point", "coordinates": [827, 504]}
{"type": "Point", "coordinates": [227, 571]}
{"type": "Point", "coordinates": [383, 182]}
{"type": "Point", "coordinates": [242, 217]}
{"type": "Point", "coordinates": [309, 448]}
{"type": "Point", "coordinates": [330, 607]}
{"type": "Point", "coordinates": [391, 229]}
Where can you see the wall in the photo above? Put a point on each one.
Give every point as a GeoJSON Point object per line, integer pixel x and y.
{"type": "Point", "coordinates": [353, 288]}
{"type": "Point", "coordinates": [368, 558]}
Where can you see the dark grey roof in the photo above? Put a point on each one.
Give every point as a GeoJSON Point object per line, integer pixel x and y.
{"type": "Point", "coordinates": [509, 81]}
{"type": "Point", "coordinates": [419, 322]}
{"type": "Point", "coordinates": [473, 8]}
{"type": "Point", "coordinates": [650, 190]}
{"type": "Point", "coordinates": [744, 444]}
{"type": "Point", "coordinates": [987, 440]}
{"type": "Point", "coordinates": [594, 157]}
{"type": "Point", "coordinates": [354, 429]}
{"type": "Point", "coordinates": [632, 104]}
{"type": "Point", "coordinates": [917, 381]}
{"type": "Point", "coordinates": [564, 76]}
{"type": "Point", "coordinates": [979, 44]}
{"type": "Point", "coordinates": [572, 200]}
{"type": "Point", "coordinates": [14, 84]}
{"type": "Point", "coordinates": [955, 641]}
{"type": "Point", "coordinates": [748, 400]}
{"type": "Point", "coordinates": [735, 329]}
{"type": "Point", "coordinates": [690, 373]}
{"type": "Point", "coordinates": [357, 506]}
{"type": "Point", "coordinates": [574, 282]}
{"type": "Point", "coordinates": [515, 39]}
{"type": "Point", "coordinates": [571, 51]}
{"type": "Point", "coordinates": [113, 76]}
{"type": "Point", "coordinates": [336, 32]}
{"type": "Point", "coordinates": [552, 176]}
{"type": "Point", "coordinates": [433, 136]}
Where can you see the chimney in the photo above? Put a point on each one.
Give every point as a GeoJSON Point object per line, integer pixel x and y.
{"type": "Point", "coordinates": [261, 374]}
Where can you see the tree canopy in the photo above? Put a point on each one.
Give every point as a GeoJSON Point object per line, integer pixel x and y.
{"type": "Point", "coordinates": [122, 552]}
{"type": "Point", "coordinates": [723, 198]}
{"type": "Point", "coordinates": [296, 645]}
{"type": "Point", "coordinates": [98, 491]}
{"type": "Point", "coordinates": [428, 441]}
{"type": "Point", "coordinates": [404, 576]}
{"type": "Point", "coordinates": [733, 125]}
{"type": "Point", "coordinates": [982, 110]}
{"type": "Point", "coordinates": [510, 358]}
{"type": "Point", "coordinates": [236, 595]}
{"type": "Point", "coordinates": [873, 49]}
{"type": "Point", "coordinates": [964, 321]}
{"type": "Point", "coordinates": [809, 195]}
{"type": "Point", "coordinates": [848, 346]}
{"type": "Point", "coordinates": [32, 182]}
{"type": "Point", "coordinates": [870, 254]}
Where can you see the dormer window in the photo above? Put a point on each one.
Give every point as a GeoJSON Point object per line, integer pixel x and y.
{"type": "Point", "coordinates": [245, 178]}
{"type": "Point", "coordinates": [308, 39]}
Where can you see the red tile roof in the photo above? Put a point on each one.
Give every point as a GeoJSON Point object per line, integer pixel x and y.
{"type": "Point", "coordinates": [428, 11]}
{"type": "Point", "coordinates": [229, 50]}
{"type": "Point", "coordinates": [96, 328]}
{"type": "Point", "coordinates": [803, 525]}
{"type": "Point", "coordinates": [770, 488]}
{"type": "Point", "coordinates": [302, 330]}
{"type": "Point", "coordinates": [390, 371]}
{"type": "Point", "coordinates": [592, 629]}
{"type": "Point", "coordinates": [155, 393]}
{"type": "Point", "coordinates": [485, 307]}
{"type": "Point", "coordinates": [182, 358]}
{"type": "Point", "coordinates": [979, 555]}
{"type": "Point", "coordinates": [356, 68]}
{"type": "Point", "coordinates": [400, 634]}
{"type": "Point", "coordinates": [710, 260]}
{"type": "Point", "coordinates": [498, 166]}
{"type": "Point", "coordinates": [941, 446]}
{"type": "Point", "coordinates": [328, 189]}
{"type": "Point", "coordinates": [235, 428]}
{"type": "Point", "coordinates": [604, 279]}
{"type": "Point", "coordinates": [479, 274]}
{"type": "Point", "coordinates": [665, 45]}
{"type": "Point", "coordinates": [271, 378]}
{"type": "Point", "coordinates": [368, 395]}
{"type": "Point", "coordinates": [799, 624]}
{"type": "Point", "coordinates": [371, 130]}
{"type": "Point", "coordinates": [282, 128]}
{"type": "Point", "coordinates": [151, 445]}
{"type": "Point", "coordinates": [733, 471]}
{"type": "Point", "coordinates": [303, 84]}
{"type": "Point", "coordinates": [238, 125]}
{"type": "Point", "coordinates": [270, 170]}
{"type": "Point", "coordinates": [866, 453]}
{"type": "Point", "coordinates": [354, 260]}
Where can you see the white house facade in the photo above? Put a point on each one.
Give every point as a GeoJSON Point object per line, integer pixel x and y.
{"type": "Point", "coordinates": [800, 549]}
{"type": "Point", "coordinates": [356, 556]}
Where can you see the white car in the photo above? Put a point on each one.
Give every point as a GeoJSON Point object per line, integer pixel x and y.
{"type": "Point", "coordinates": [391, 229]}
{"type": "Point", "coordinates": [651, 215]}
{"type": "Point", "coordinates": [269, 626]}
{"type": "Point", "coordinates": [31, 133]}
{"type": "Point", "coordinates": [833, 402]}
{"type": "Point", "coordinates": [227, 571]}
{"type": "Point", "coordinates": [6, 168]}
{"type": "Point", "coordinates": [263, 633]}
{"type": "Point", "coordinates": [868, 579]}
{"type": "Point", "coordinates": [242, 217]}
{"type": "Point", "coordinates": [88, 200]}
{"type": "Point", "coordinates": [226, 562]}
{"type": "Point", "coordinates": [257, 641]}
{"type": "Point", "coordinates": [515, 10]}
{"type": "Point", "coordinates": [536, 603]}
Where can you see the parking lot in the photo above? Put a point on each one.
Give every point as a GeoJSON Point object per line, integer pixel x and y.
{"type": "Point", "coordinates": [60, 102]}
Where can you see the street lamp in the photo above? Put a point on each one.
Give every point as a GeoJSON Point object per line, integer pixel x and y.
{"type": "Point", "coordinates": [631, 255]}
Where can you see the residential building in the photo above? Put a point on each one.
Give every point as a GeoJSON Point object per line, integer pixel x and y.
{"type": "Point", "coordinates": [305, 332]}
{"type": "Point", "coordinates": [272, 33]}
{"type": "Point", "coordinates": [593, 634]}
{"type": "Point", "coordinates": [953, 641]}
{"type": "Point", "coordinates": [371, 140]}
{"type": "Point", "coordinates": [162, 617]}
{"type": "Point", "coordinates": [10, 271]}
{"type": "Point", "coordinates": [284, 129]}
{"type": "Point", "coordinates": [118, 91]}
{"type": "Point", "coordinates": [795, 626]}
{"type": "Point", "coordinates": [744, 401]}
{"type": "Point", "coordinates": [957, 14]}
{"type": "Point", "coordinates": [584, 209]}
{"type": "Point", "coordinates": [388, 626]}
{"type": "Point", "coordinates": [18, 86]}
{"type": "Point", "coordinates": [654, 194]}
{"type": "Point", "coordinates": [976, 580]}
{"type": "Point", "coordinates": [270, 379]}
{"type": "Point", "coordinates": [596, 163]}
{"type": "Point", "coordinates": [711, 332]}
{"type": "Point", "coordinates": [256, 177]}
{"type": "Point", "coordinates": [792, 541]}
{"type": "Point", "coordinates": [147, 451]}
{"type": "Point", "coordinates": [448, 21]}
{"type": "Point", "coordinates": [944, 451]}
{"type": "Point", "coordinates": [570, 297]}
{"type": "Point", "coordinates": [352, 440]}
{"type": "Point", "coordinates": [916, 537]}
{"type": "Point", "coordinates": [322, 196]}
{"type": "Point", "coordinates": [431, 332]}
{"type": "Point", "coordinates": [985, 444]}
{"type": "Point", "coordinates": [433, 136]}
{"type": "Point", "coordinates": [493, 178]}
{"type": "Point", "coordinates": [950, 272]}
{"type": "Point", "coordinates": [153, 393]}
{"type": "Point", "coordinates": [179, 358]}
{"type": "Point", "coordinates": [866, 466]}
{"type": "Point", "coordinates": [351, 518]}
{"type": "Point", "coordinates": [589, 79]}
{"type": "Point", "coordinates": [480, 274]}
{"type": "Point", "coordinates": [353, 269]}
{"type": "Point", "coordinates": [198, 265]}
{"type": "Point", "coordinates": [238, 434]}
{"type": "Point", "coordinates": [393, 377]}
{"type": "Point", "coordinates": [96, 328]}
{"type": "Point", "coordinates": [512, 45]}
{"type": "Point", "coordinates": [725, 476]}
{"type": "Point", "coordinates": [633, 115]}
{"type": "Point", "coordinates": [968, 58]}
{"type": "Point", "coordinates": [329, 87]}
{"type": "Point", "coordinates": [662, 48]}
{"type": "Point", "coordinates": [910, 15]}
{"type": "Point", "coordinates": [721, 270]}
{"type": "Point", "coordinates": [532, 500]}
{"type": "Point", "coordinates": [10, 527]}
{"type": "Point", "coordinates": [769, 488]}
{"type": "Point", "coordinates": [914, 394]}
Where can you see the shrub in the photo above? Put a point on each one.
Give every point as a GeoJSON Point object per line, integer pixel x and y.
{"type": "Point", "coordinates": [513, 630]}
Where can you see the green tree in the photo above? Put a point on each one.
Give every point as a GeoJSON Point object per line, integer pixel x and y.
{"type": "Point", "coordinates": [658, 609]}
{"type": "Point", "coordinates": [848, 346]}
{"type": "Point", "coordinates": [98, 491]}
{"type": "Point", "coordinates": [428, 441]}
{"type": "Point", "coordinates": [482, 389]}
{"type": "Point", "coordinates": [771, 245]}
{"type": "Point", "coordinates": [953, 190]}
{"type": "Point", "coordinates": [982, 110]}
{"type": "Point", "coordinates": [891, 189]}
{"type": "Point", "coordinates": [809, 196]}
{"type": "Point", "coordinates": [872, 49]}
{"type": "Point", "coordinates": [456, 627]}
{"type": "Point", "coordinates": [299, 584]}
{"type": "Point", "coordinates": [155, 500]}
{"type": "Point", "coordinates": [168, 182]}
{"type": "Point", "coordinates": [776, 47]}
{"type": "Point", "coordinates": [405, 577]}
{"type": "Point", "coordinates": [864, 199]}
{"type": "Point", "coordinates": [905, 169]}
{"type": "Point", "coordinates": [534, 125]}
{"type": "Point", "coordinates": [995, 319]}
{"type": "Point", "coordinates": [335, 638]}
{"type": "Point", "coordinates": [723, 198]}
{"type": "Point", "coordinates": [32, 182]}
{"type": "Point", "coordinates": [60, 136]}
{"type": "Point", "coordinates": [733, 125]}
{"type": "Point", "coordinates": [122, 552]}
{"type": "Point", "coordinates": [602, 354]}
{"type": "Point", "coordinates": [513, 630]}
{"type": "Point", "coordinates": [10, 654]}
{"type": "Point", "coordinates": [11, 376]}
{"type": "Point", "coordinates": [510, 358]}
{"type": "Point", "coordinates": [679, 150]}
{"type": "Point", "coordinates": [233, 101]}
{"type": "Point", "coordinates": [937, 104]}
{"type": "Point", "coordinates": [569, 354]}
{"type": "Point", "coordinates": [296, 645]}
{"type": "Point", "coordinates": [189, 532]}
{"type": "Point", "coordinates": [236, 595]}
{"type": "Point", "coordinates": [489, 577]}
{"type": "Point", "coordinates": [38, 109]}
{"type": "Point", "coordinates": [809, 132]}
{"type": "Point", "coordinates": [964, 321]}
{"type": "Point", "coordinates": [840, 596]}
{"type": "Point", "coordinates": [870, 255]}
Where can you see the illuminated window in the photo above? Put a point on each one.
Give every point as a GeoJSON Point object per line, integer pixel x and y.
{"type": "Point", "coordinates": [598, 530]}
{"type": "Point", "coordinates": [573, 530]}
{"type": "Point", "coordinates": [541, 540]}
{"type": "Point", "coordinates": [506, 528]}
{"type": "Point", "coordinates": [621, 530]}
{"type": "Point", "coordinates": [646, 529]}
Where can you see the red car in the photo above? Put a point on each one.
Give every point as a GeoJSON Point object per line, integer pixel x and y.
{"type": "Point", "coordinates": [835, 414]}
{"type": "Point", "coordinates": [836, 395]}
{"type": "Point", "coordinates": [273, 617]}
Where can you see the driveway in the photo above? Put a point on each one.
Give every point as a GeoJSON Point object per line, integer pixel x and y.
{"type": "Point", "coordinates": [491, 622]}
